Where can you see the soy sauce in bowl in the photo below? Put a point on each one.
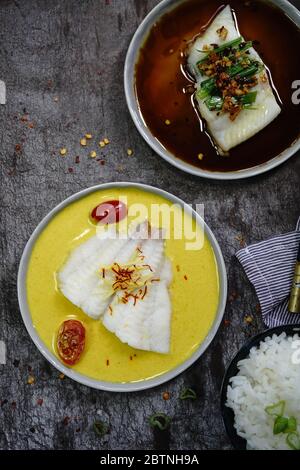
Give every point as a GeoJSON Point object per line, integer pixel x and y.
{"type": "Point", "coordinates": [164, 91]}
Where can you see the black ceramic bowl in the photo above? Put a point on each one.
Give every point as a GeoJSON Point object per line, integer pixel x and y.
{"type": "Point", "coordinates": [227, 413]}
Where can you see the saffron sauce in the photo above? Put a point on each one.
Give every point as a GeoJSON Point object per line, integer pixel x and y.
{"type": "Point", "coordinates": [165, 91]}
{"type": "Point", "coordinates": [194, 291]}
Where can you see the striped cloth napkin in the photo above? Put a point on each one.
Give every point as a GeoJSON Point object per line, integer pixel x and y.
{"type": "Point", "coordinates": [270, 266]}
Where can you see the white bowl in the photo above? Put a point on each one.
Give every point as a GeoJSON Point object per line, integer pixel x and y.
{"type": "Point", "coordinates": [129, 82]}
{"type": "Point", "coordinates": [103, 385]}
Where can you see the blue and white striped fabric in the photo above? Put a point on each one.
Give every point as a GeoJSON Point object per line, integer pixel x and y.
{"type": "Point", "coordinates": [270, 267]}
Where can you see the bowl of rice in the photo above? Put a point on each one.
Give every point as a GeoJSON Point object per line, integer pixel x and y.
{"type": "Point", "coordinates": [260, 393]}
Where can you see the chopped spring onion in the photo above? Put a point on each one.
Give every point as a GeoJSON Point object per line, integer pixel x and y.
{"type": "Point", "coordinates": [100, 428]}
{"type": "Point", "coordinates": [229, 44]}
{"type": "Point", "coordinates": [280, 424]}
{"type": "Point", "coordinates": [249, 71]}
{"type": "Point", "coordinates": [277, 409]}
{"type": "Point", "coordinates": [189, 393]}
{"type": "Point", "coordinates": [208, 86]}
{"type": "Point", "coordinates": [214, 103]}
{"type": "Point", "coordinates": [160, 421]}
{"type": "Point", "coordinates": [245, 47]}
{"type": "Point", "coordinates": [292, 425]}
{"type": "Point", "coordinates": [249, 99]}
{"type": "Point", "coordinates": [293, 440]}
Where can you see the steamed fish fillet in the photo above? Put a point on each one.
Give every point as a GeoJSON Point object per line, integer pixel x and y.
{"type": "Point", "coordinates": [226, 133]}
{"type": "Point", "coordinates": [145, 324]}
{"type": "Point", "coordinates": [79, 279]}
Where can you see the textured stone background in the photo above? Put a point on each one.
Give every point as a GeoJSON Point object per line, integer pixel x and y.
{"type": "Point", "coordinates": [75, 50]}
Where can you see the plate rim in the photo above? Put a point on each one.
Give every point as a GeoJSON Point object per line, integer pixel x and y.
{"type": "Point", "coordinates": [238, 442]}
{"type": "Point", "coordinates": [105, 385]}
{"type": "Point", "coordinates": [134, 110]}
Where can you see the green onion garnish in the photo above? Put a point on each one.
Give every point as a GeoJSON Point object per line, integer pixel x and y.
{"type": "Point", "coordinates": [100, 428]}
{"type": "Point", "coordinates": [277, 409]}
{"type": "Point", "coordinates": [248, 99]}
{"type": "Point", "coordinates": [188, 394]}
{"type": "Point", "coordinates": [229, 44]}
{"type": "Point", "coordinates": [293, 440]}
{"type": "Point", "coordinates": [247, 46]}
{"type": "Point", "coordinates": [280, 424]}
{"type": "Point", "coordinates": [208, 87]}
{"type": "Point", "coordinates": [292, 425]}
{"type": "Point", "coordinates": [214, 103]}
{"type": "Point", "coordinates": [160, 421]}
{"type": "Point", "coordinates": [249, 71]}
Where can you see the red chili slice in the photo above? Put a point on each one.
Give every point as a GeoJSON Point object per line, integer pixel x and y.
{"type": "Point", "coordinates": [71, 341]}
{"type": "Point", "coordinates": [109, 212]}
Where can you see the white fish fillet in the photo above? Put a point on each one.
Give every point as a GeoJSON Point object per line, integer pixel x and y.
{"type": "Point", "coordinates": [79, 278]}
{"type": "Point", "coordinates": [226, 133]}
{"type": "Point", "coordinates": [145, 325]}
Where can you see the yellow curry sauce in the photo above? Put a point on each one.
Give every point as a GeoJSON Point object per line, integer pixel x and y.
{"type": "Point", "coordinates": [194, 294]}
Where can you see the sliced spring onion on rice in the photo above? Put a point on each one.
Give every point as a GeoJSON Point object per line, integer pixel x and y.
{"type": "Point", "coordinates": [293, 441]}
{"type": "Point", "coordinates": [280, 424]}
{"type": "Point", "coordinates": [277, 409]}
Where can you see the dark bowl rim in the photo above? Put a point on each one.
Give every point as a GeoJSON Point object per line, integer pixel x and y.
{"type": "Point", "coordinates": [227, 413]}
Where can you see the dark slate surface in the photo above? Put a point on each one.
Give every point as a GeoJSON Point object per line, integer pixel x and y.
{"type": "Point", "coordinates": [74, 51]}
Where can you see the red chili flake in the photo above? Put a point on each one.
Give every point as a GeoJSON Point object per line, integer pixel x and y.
{"type": "Point", "coordinates": [70, 170]}
{"type": "Point", "coordinates": [77, 159]}
{"type": "Point", "coordinates": [40, 401]}
{"type": "Point", "coordinates": [66, 420]}
{"type": "Point", "coordinates": [24, 118]}
{"type": "Point", "coordinates": [257, 308]}
{"type": "Point", "coordinates": [102, 162]}
{"type": "Point", "coordinates": [241, 240]}
{"type": "Point", "coordinates": [18, 148]}
{"type": "Point", "coordinates": [185, 277]}
{"type": "Point", "coordinates": [13, 405]}
{"type": "Point", "coordinates": [3, 402]}
{"type": "Point", "coordinates": [49, 84]}
{"type": "Point", "coordinates": [107, 362]}
{"type": "Point", "coordinates": [166, 396]}
{"type": "Point", "coordinates": [31, 125]}
{"type": "Point", "coordinates": [226, 322]}
{"type": "Point", "coordinates": [29, 368]}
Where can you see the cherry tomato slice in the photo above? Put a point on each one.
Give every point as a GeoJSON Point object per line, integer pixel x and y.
{"type": "Point", "coordinates": [109, 212]}
{"type": "Point", "coordinates": [71, 341]}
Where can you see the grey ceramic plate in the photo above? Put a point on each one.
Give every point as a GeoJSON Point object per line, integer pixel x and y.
{"type": "Point", "coordinates": [102, 385]}
{"type": "Point", "coordinates": [129, 82]}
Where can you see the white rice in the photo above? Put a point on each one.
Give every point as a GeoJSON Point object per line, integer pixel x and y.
{"type": "Point", "coordinates": [271, 373]}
